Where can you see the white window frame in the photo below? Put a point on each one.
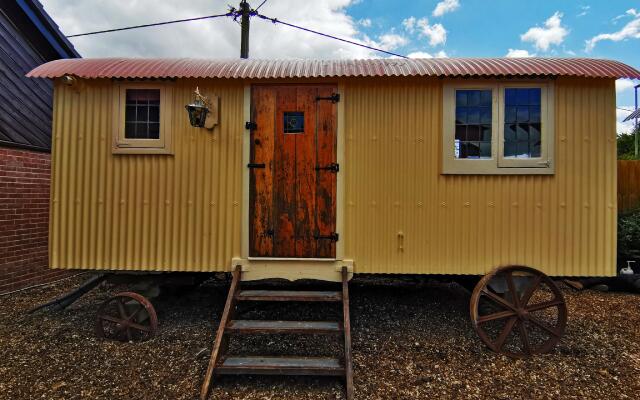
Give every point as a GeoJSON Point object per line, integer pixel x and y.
{"type": "Point", "coordinates": [498, 164]}
{"type": "Point", "coordinates": [124, 145]}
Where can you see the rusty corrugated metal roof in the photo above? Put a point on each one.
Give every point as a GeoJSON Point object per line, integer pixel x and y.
{"type": "Point", "coordinates": [269, 69]}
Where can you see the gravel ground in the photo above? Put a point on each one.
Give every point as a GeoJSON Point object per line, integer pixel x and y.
{"type": "Point", "coordinates": [410, 341]}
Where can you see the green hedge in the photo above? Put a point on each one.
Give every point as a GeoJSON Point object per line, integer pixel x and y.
{"type": "Point", "coordinates": [629, 238]}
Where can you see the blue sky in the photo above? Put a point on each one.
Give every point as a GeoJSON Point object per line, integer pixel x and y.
{"type": "Point", "coordinates": [418, 28]}
{"type": "Point", "coordinates": [489, 28]}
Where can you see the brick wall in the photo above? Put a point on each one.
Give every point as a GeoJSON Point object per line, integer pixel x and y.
{"type": "Point", "coordinates": [24, 219]}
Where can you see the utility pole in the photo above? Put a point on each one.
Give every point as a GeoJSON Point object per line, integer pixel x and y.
{"type": "Point", "coordinates": [245, 10]}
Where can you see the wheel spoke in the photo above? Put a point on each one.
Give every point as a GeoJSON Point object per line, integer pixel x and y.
{"type": "Point", "coordinates": [524, 337]}
{"type": "Point", "coordinates": [512, 289]}
{"type": "Point", "coordinates": [498, 299]}
{"type": "Point", "coordinates": [544, 326]}
{"type": "Point", "coordinates": [546, 304]}
{"type": "Point", "coordinates": [508, 327]}
{"type": "Point", "coordinates": [492, 317]}
{"type": "Point", "coordinates": [111, 319]}
{"type": "Point", "coordinates": [131, 317]}
{"type": "Point", "coordinates": [531, 290]}
{"type": "Point", "coordinates": [139, 327]}
{"type": "Point", "coordinates": [121, 310]}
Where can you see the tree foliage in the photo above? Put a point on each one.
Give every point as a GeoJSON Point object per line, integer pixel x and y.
{"type": "Point", "coordinates": [626, 149]}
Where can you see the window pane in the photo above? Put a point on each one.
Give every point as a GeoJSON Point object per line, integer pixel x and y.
{"type": "Point", "coordinates": [510, 114]}
{"type": "Point", "coordinates": [485, 98]}
{"type": "Point", "coordinates": [522, 97]}
{"type": "Point", "coordinates": [534, 96]}
{"type": "Point", "coordinates": [523, 150]}
{"type": "Point", "coordinates": [461, 115]}
{"type": "Point", "coordinates": [473, 98]}
{"type": "Point", "coordinates": [522, 140]}
{"type": "Point", "coordinates": [461, 98]}
{"type": "Point", "coordinates": [509, 149]}
{"type": "Point", "coordinates": [535, 150]}
{"type": "Point", "coordinates": [473, 132]}
{"type": "Point", "coordinates": [523, 114]}
{"type": "Point", "coordinates": [485, 133]}
{"type": "Point", "coordinates": [522, 132]}
{"type": "Point", "coordinates": [534, 113]}
{"type": "Point", "coordinates": [534, 132]}
{"type": "Point", "coordinates": [141, 130]}
{"type": "Point", "coordinates": [130, 114]}
{"type": "Point", "coordinates": [139, 114]}
{"type": "Point", "coordinates": [142, 114]}
{"type": "Point", "coordinates": [485, 149]}
{"type": "Point", "coordinates": [473, 149]}
{"type": "Point", "coordinates": [473, 124]}
{"type": "Point", "coordinates": [154, 114]}
{"type": "Point", "coordinates": [130, 130]}
{"type": "Point", "coordinates": [485, 115]}
{"type": "Point", "coordinates": [154, 130]}
{"type": "Point", "coordinates": [473, 115]}
{"type": "Point", "coordinates": [463, 150]}
{"type": "Point", "coordinates": [509, 132]}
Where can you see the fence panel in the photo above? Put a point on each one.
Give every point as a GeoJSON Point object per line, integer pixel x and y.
{"type": "Point", "coordinates": [628, 185]}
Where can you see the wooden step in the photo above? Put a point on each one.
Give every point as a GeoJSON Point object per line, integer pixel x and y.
{"type": "Point", "coordinates": [280, 366]}
{"type": "Point", "coordinates": [306, 327]}
{"type": "Point", "coordinates": [288, 295]}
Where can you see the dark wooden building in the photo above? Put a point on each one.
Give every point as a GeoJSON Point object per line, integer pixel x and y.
{"type": "Point", "coordinates": [28, 38]}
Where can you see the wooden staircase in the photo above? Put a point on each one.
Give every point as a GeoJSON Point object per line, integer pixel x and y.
{"type": "Point", "coordinates": [221, 364]}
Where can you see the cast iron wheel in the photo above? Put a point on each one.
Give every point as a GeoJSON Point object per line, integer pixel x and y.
{"type": "Point", "coordinates": [518, 311]}
{"type": "Point", "coordinates": [127, 316]}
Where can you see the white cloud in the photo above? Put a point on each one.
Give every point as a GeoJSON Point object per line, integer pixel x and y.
{"type": "Point", "coordinates": [518, 53]}
{"type": "Point", "coordinates": [436, 33]}
{"type": "Point", "coordinates": [624, 127]}
{"type": "Point", "coordinates": [445, 6]}
{"type": "Point", "coordinates": [630, 31]}
{"type": "Point", "coordinates": [424, 54]}
{"type": "Point", "coordinates": [584, 10]}
{"type": "Point", "coordinates": [391, 41]}
{"type": "Point", "coordinates": [366, 22]}
{"type": "Point", "coordinates": [622, 85]}
{"type": "Point", "coordinates": [553, 33]}
{"type": "Point", "coordinates": [409, 24]}
{"type": "Point", "coordinates": [208, 38]}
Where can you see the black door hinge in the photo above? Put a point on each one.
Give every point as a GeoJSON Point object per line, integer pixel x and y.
{"type": "Point", "coordinates": [250, 125]}
{"type": "Point", "coordinates": [333, 167]}
{"type": "Point", "coordinates": [255, 165]}
{"type": "Point", "coordinates": [335, 97]}
{"type": "Point", "coordinates": [334, 237]}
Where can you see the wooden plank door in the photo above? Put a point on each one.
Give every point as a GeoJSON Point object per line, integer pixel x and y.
{"type": "Point", "coordinates": [292, 194]}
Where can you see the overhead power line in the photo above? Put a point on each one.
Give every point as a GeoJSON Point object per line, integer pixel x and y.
{"type": "Point", "coordinates": [235, 14]}
{"type": "Point", "coordinates": [261, 4]}
{"type": "Point", "coordinates": [277, 21]}
{"type": "Point", "coordinates": [229, 14]}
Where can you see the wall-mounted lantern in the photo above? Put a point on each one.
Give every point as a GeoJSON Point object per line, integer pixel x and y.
{"type": "Point", "coordinates": [198, 110]}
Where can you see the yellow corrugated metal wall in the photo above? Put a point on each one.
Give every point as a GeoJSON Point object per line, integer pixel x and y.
{"type": "Point", "coordinates": [564, 224]}
{"type": "Point", "coordinates": [183, 212]}
{"type": "Point", "coordinates": [145, 212]}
